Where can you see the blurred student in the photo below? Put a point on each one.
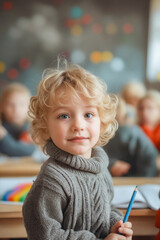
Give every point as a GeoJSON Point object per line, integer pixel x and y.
{"type": "Point", "coordinates": [14, 135]}
{"type": "Point", "coordinates": [130, 152]}
{"type": "Point", "coordinates": [149, 116]}
{"type": "Point", "coordinates": [132, 92]}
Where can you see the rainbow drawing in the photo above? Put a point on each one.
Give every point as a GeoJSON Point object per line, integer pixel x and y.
{"type": "Point", "coordinates": [18, 193]}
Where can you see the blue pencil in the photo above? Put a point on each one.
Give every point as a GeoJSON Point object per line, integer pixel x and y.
{"type": "Point", "coordinates": [130, 205]}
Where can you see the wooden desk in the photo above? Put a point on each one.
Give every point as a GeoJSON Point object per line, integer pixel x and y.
{"type": "Point", "coordinates": [20, 167]}
{"type": "Point", "coordinates": [143, 221]}
{"type": "Point", "coordinates": [135, 180]}
{"type": "Point", "coordinates": [11, 222]}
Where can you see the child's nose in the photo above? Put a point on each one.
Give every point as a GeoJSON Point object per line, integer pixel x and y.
{"type": "Point", "coordinates": [78, 125]}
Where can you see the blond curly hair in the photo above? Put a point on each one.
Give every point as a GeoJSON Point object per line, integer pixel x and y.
{"type": "Point", "coordinates": [54, 87]}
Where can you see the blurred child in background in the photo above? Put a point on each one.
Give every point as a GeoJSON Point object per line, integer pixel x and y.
{"type": "Point", "coordinates": [131, 93]}
{"type": "Point", "coordinates": [131, 153]}
{"type": "Point", "coordinates": [149, 116]}
{"type": "Point", "coordinates": [14, 136]}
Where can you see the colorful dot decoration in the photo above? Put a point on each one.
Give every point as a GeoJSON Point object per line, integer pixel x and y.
{"type": "Point", "coordinates": [76, 30]}
{"type": "Point", "coordinates": [111, 28]}
{"type": "Point", "coordinates": [117, 64]}
{"type": "Point", "coordinates": [97, 57]}
{"type": "Point", "coordinates": [107, 56]}
{"type": "Point", "coordinates": [2, 67]}
{"type": "Point", "coordinates": [76, 12]}
{"type": "Point", "coordinates": [86, 19]}
{"type": "Point", "coordinates": [158, 76]}
{"type": "Point", "coordinates": [78, 21]}
{"type": "Point", "coordinates": [78, 56]}
{"type": "Point", "coordinates": [7, 5]}
{"type": "Point", "coordinates": [127, 28]}
{"type": "Point", "coordinates": [24, 63]}
{"type": "Point", "coordinates": [13, 73]}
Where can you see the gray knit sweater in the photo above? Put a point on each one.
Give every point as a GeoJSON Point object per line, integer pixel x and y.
{"type": "Point", "coordinates": [71, 198]}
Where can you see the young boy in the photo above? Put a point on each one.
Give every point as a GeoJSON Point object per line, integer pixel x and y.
{"type": "Point", "coordinates": [71, 197]}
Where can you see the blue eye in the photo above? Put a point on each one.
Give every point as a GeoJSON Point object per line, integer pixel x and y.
{"type": "Point", "coordinates": [63, 116]}
{"type": "Point", "coordinates": [88, 115]}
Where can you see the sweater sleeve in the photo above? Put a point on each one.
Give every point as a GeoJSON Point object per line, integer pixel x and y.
{"type": "Point", "coordinates": [115, 214]}
{"type": "Point", "coordinates": [14, 148]}
{"type": "Point", "coordinates": [43, 212]}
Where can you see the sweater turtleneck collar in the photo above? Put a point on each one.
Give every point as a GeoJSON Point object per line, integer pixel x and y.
{"type": "Point", "coordinates": [93, 164]}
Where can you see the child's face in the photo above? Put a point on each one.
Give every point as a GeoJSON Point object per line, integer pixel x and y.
{"type": "Point", "coordinates": [149, 112]}
{"type": "Point", "coordinates": [132, 100]}
{"type": "Point", "coordinates": [74, 127]}
{"type": "Point", "coordinates": [15, 107]}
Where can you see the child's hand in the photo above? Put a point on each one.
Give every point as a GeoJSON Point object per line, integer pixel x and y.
{"type": "Point", "coordinates": [124, 228]}
{"type": "Point", "coordinates": [120, 168]}
{"type": "Point", "coordinates": [114, 236]}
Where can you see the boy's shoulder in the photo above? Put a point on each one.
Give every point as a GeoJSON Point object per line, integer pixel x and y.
{"type": "Point", "coordinates": [53, 176]}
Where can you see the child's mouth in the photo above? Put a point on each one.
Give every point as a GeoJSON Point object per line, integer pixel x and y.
{"type": "Point", "coordinates": [78, 139]}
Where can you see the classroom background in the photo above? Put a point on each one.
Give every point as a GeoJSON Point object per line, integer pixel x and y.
{"type": "Point", "coordinates": [117, 40]}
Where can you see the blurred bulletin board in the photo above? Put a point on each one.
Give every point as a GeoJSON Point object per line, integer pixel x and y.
{"type": "Point", "coordinates": [107, 37]}
{"type": "Point", "coordinates": [153, 57]}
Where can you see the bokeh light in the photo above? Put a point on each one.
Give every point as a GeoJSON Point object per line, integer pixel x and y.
{"type": "Point", "coordinates": [2, 67]}
{"type": "Point", "coordinates": [117, 64]}
{"type": "Point", "coordinates": [86, 19]}
{"type": "Point", "coordinates": [158, 76]}
{"type": "Point", "coordinates": [24, 63]}
{"type": "Point", "coordinates": [78, 56]}
{"type": "Point", "coordinates": [127, 28]}
{"type": "Point", "coordinates": [111, 28]}
{"type": "Point", "coordinates": [12, 73]}
{"type": "Point", "coordinates": [7, 5]}
{"type": "Point", "coordinates": [76, 30]}
{"type": "Point", "coordinates": [96, 57]}
{"type": "Point", "coordinates": [76, 12]}
{"type": "Point", "coordinates": [69, 22]}
{"type": "Point", "coordinates": [107, 56]}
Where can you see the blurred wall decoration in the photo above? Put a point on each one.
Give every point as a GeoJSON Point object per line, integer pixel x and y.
{"type": "Point", "coordinates": [107, 37]}
{"type": "Point", "coordinates": [153, 58]}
